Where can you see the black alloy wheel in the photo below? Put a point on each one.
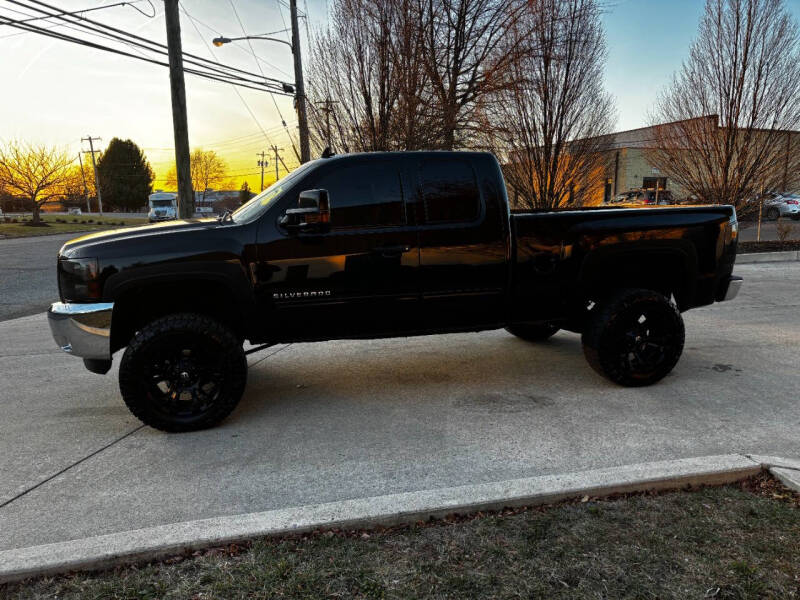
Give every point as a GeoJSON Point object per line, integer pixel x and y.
{"type": "Point", "coordinates": [635, 338]}
{"type": "Point", "coordinates": [183, 372]}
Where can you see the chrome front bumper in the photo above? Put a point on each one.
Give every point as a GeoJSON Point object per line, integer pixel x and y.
{"type": "Point", "coordinates": [82, 329]}
{"type": "Point", "coordinates": [731, 290]}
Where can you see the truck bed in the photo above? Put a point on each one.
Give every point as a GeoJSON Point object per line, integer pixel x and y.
{"type": "Point", "coordinates": [557, 255]}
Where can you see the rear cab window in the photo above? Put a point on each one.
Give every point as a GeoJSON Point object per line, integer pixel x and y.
{"type": "Point", "coordinates": [449, 191]}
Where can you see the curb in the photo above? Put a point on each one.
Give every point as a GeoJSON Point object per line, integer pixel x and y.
{"type": "Point", "coordinates": [786, 470]}
{"type": "Point", "coordinates": [762, 257]}
{"type": "Point", "coordinates": [158, 542]}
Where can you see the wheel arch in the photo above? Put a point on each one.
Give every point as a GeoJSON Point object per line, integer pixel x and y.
{"type": "Point", "coordinates": [670, 269]}
{"type": "Point", "coordinates": [138, 302]}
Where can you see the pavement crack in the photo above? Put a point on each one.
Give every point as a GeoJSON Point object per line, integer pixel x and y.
{"type": "Point", "coordinates": [263, 358]}
{"type": "Point", "coordinates": [67, 468]}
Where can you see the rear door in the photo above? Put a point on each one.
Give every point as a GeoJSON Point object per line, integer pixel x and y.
{"type": "Point", "coordinates": [463, 242]}
{"type": "Point", "coordinates": [360, 278]}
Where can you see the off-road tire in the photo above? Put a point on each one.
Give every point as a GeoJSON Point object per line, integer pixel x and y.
{"type": "Point", "coordinates": [165, 349]}
{"type": "Point", "coordinates": [630, 351]}
{"type": "Point", "coordinates": [532, 333]}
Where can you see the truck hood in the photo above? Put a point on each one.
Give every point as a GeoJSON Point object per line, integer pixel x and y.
{"type": "Point", "coordinates": [75, 246]}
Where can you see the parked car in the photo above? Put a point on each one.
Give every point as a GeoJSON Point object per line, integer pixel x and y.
{"type": "Point", "coordinates": [786, 205]}
{"type": "Point", "coordinates": [622, 198]}
{"type": "Point", "coordinates": [75, 211]}
{"type": "Point", "coordinates": [381, 245]}
{"type": "Point", "coordinates": [643, 196]}
{"type": "Point", "coordinates": [775, 205]}
{"type": "Point", "coordinates": [649, 197]}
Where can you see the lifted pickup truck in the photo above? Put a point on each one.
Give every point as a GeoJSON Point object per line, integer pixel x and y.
{"type": "Point", "coordinates": [380, 245]}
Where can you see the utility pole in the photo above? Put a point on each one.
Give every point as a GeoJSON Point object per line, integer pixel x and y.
{"type": "Point", "coordinates": [263, 162]}
{"type": "Point", "coordinates": [327, 109]}
{"type": "Point", "coordinates": [85, 189]}
{"type": "Point", "coordinates": [275, 149]}
{"type": "Point", "coordinates": [300, 89]}
{"type": "Point", "coordinates": [180, 124]}
{"type": "Point", "coordinates": [91, 151]}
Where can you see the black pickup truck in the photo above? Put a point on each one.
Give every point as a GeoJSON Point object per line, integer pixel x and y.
{"type": "Point", "coordinates": [380, 245]}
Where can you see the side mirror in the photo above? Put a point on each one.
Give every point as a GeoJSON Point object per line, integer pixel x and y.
{"type": "Point", "coordinates": [312, 213]}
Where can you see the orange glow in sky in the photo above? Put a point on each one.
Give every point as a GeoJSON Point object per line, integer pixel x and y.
{"type": "Point", "coordinates": [56, 92]}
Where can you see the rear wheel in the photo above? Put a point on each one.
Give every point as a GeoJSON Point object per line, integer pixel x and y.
{"type": "Point", "coordinates": [532, 333]}
{"type": "Point", "coordinates": [183, 372]}
{"type": "Point", "coordinates": [634, 338]}
{"type": "Point", "coordinates": [773, 213]}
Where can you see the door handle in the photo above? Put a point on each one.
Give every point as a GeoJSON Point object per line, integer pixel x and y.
{"type": "Point", "coordinates": [391, 251]}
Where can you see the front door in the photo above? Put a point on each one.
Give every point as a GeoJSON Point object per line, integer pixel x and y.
{"type": "Point", "coordinates": [359, 278]}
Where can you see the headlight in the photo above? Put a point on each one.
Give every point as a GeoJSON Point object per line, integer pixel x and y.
{"type": "Point", "coordinates": [78, 279]}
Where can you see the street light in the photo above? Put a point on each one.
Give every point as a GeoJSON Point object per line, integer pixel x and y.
{"type": "Point", "coordinates": [221, 41]}
{"type": "Point", "coordinates": [299, 89]}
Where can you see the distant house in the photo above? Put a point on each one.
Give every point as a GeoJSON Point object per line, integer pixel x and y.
{"type": "Point", "coordinates": [213, 201]}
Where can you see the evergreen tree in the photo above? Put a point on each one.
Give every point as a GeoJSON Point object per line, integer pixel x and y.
{"type": "Point", "coordinates": [244, 193]}
{"type": "Point", "coordinates": [126, 179]}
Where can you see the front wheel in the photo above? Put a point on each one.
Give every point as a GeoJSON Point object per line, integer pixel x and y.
{"type": "Point", "coordinates": [634, 338]}
{"type": "Point", "coordinates": [773, 214]}
{"type": "Point", "coordinates": [183, 372]}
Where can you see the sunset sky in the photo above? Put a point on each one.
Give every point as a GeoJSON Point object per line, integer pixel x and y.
{"type": "Point", "coordinates": [56, 92]}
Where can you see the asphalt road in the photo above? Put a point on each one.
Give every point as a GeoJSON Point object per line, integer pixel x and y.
{"type": "Point", "coordinates": [28, 274]}
{"type": "Point", "coordinates": [748, 230]}
{"type": "Point", "coordinates": [353, 419]}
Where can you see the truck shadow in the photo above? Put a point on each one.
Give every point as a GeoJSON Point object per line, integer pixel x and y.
{"type": "Point", "coordinates": [469, 371]}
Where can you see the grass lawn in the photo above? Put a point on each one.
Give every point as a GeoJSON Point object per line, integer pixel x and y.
{"type": "Point", "coordinates": [71, 224]}
{"type": "Point", "coordinates": [738, 541]}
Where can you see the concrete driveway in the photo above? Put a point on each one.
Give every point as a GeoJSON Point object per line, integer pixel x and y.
{"type": "Point", "coordinates": [351, 419]}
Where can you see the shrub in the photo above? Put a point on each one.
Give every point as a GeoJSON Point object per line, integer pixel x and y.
{"type": "Point", "coordinates": [783, 229]}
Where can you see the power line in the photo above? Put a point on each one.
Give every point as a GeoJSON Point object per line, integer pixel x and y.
{"type": "Point", "coordinates": [236, 46]}
{"type": "Point", "coordinates": [156, 46]}
{"type": "Point", "coordinates": [221, 76]}
{"type": "Point", "coordinates": [218, 69]}
{"type": "Point", "coordinates": [246, 105]}
{"type": "Point", "coordinates": [249, 43]}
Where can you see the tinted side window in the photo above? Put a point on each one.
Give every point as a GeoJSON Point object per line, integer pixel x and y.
{"type": "Point", "coordinates": [449, 190]}
{"type": "Point", "coordinates": [366, 195]}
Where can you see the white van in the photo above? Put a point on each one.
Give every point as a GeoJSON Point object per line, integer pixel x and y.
{"type": "Point", "coordinates": [163, 206]}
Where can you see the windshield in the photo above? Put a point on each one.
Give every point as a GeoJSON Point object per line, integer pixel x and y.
{"type": "Point", "coordinates": [257, 205]}
{"type": "Point", "coordinates": [161, 203]}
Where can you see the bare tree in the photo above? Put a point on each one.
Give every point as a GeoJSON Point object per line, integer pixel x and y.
{"type": "Point", "coordinates": [209, 171]}
{"type": "Point", "coordinates": [722, 126]}
{"type": "Point", "coordinates": [35, 173]}
{"type": "Point", "coordinates": [547, 123]}
{"type": "Point", "coordinates": [466, 52]}
{"type": "Point", "coordinates": [368, 64]}
{"type": "Point", "coordinates": [406, 74]}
